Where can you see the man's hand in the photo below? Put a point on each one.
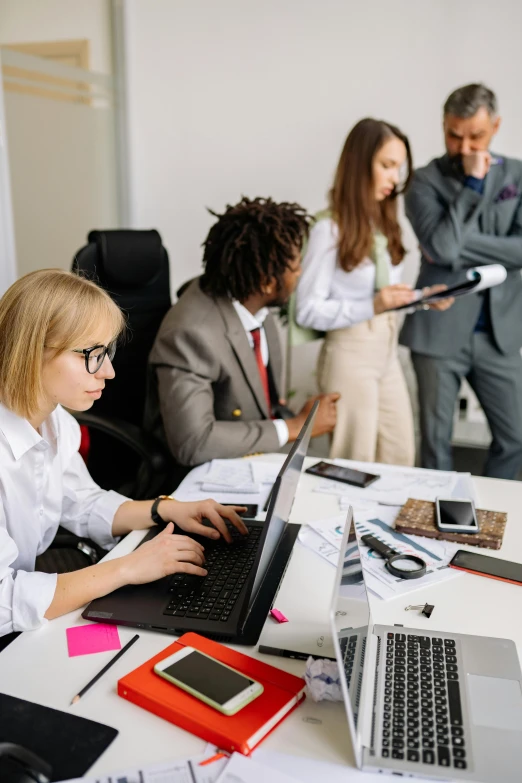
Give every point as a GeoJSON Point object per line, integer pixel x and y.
{"type": "Point", "coordinates": [392, 296]}
{"type": "Point", "coordinates": [476, 164]}
{"type": "Point", "coordinates": [325, 418]}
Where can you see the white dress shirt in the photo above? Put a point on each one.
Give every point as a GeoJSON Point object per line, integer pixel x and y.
{"type": "Point", "coordinates": [328, 297]}
{"type": "Point", "coordinates": [249, 323]}
{"type": "Point", "coordinates": [44, 483]}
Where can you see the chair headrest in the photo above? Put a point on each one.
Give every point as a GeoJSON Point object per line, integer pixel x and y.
{"type": "Point", "coordinates": [129, 258]}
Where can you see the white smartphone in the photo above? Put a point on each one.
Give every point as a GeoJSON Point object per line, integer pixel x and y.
{"type": "Point", "coordinates": [456, 515]}
{"type": "Point", "coordinates": [215, 683]}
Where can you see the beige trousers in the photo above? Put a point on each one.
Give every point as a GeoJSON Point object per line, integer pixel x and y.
{"type": "Point", "coordinates": [374, 417]}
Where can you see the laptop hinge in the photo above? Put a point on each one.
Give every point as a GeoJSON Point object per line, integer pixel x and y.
{"type": "Point", "coordinates": [369, 691]}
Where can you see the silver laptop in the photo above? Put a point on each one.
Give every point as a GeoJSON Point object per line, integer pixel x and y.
{"type": "Point", "coordinates": [424, 703]}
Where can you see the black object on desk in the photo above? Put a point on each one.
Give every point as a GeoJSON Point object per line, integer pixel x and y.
{"type": "Point", "coordinates": [68, 743]}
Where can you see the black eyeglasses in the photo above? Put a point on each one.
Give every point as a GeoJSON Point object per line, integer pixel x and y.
{"type": "Point", "coordinates": [95, 356]}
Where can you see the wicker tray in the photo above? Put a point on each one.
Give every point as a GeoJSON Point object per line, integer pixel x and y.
{"type": "Point", "coordinates": [417, 517]}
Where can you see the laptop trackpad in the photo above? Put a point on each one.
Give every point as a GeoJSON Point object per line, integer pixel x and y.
{"type": "Point", "coordinates": [495, 702]}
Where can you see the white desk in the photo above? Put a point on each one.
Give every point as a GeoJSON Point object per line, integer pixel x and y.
{"type": "Point", "coordinates": [36, 666]}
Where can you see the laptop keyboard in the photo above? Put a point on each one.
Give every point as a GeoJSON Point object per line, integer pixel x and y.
{"type": "Point", "coordinates": [422, 705]}
{"type": "Point", "coordinates": [214, 596]}
{"type": "Point", "coordinates": [348, 646]}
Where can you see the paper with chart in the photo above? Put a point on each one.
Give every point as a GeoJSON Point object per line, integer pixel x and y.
{"type": "Point", "coordinates": [395, 485]}
{"type": "Point", "coordinates": [436, 555]}
{"type": "Point", "coordinates": [324, 536]}
{"type": "Point", "coordinates": [202, 769]}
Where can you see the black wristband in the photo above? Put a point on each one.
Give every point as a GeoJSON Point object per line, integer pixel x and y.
{"type": "Point", "coordinates": [154, 511]}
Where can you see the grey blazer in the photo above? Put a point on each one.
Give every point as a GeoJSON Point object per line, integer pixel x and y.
{"type": "Point", "coordinates": [458, 228]}
{"type": "Point", "coordinates": [204, 389]}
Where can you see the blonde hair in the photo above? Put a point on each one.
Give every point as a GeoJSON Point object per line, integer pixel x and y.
{"type": "Point", "coordinates": [49, 308]}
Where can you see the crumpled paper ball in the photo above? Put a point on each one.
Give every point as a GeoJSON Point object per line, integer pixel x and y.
{"type": "Point", "coordinates": [322, 680]}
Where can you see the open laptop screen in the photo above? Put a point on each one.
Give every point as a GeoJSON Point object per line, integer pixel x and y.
{"type": "Point", "coordinates": [282, 499]}
{"type": "Point", "coordinates": [350, 621]}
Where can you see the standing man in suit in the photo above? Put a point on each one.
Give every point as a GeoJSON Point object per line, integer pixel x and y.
{"type": "Point", "coordinates": [216, 365]}
{"type": "Point", "coordinates": [466, 210]}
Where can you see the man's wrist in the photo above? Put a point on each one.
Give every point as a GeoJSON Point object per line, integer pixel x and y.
{"type": "Point", "coordinates": [294, 427]}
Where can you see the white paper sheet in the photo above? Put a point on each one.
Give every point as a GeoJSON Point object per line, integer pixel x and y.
{"type": "Point", "coordinates": [313, 771]}
{"type": "Point", "coordinates": [394, 486]}
{"type": "Point", "coordinates": [487, 276]}
{"type": "Point", "coordinates": [309, 538]}
{"type": "Point", "coordinates": [182, 771]}
{"type": "Point", "coordinates": [324, 537]}
{"type": "Point", "coordinates": [230, 474]}
{"type": "Point", "coordinates": [241, 769]}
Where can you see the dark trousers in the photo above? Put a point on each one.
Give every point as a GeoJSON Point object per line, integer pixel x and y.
{"type": "Point", "coordinates": [496, 379]}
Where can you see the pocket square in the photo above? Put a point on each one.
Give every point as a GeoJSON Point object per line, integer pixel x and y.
{"type": "Point", "coordinates": [507, 192]}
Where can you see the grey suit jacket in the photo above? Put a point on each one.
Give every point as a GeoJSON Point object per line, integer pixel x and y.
{"type": "Point", "coordinates": [458, 228]}
{"type": "Point", "coordinates": [205, 392]}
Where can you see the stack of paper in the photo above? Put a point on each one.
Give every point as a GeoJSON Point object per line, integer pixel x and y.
{"type": "Point", "coordinates": [226, 475]}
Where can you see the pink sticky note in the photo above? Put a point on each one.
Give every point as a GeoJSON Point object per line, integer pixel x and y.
{"type": "Point", "coordinates": [98, 637]}
{"type": "Point", "coordinates": [279, 616]}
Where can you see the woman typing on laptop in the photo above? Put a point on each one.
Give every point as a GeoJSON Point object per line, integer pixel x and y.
{"type": "Point", "coordinates": [58, 335]}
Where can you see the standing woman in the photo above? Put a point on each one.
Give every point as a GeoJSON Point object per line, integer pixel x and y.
{"type": "Point", "coordinates": [58, 335]}
{"type": "Point", "coordinates": [351, 281]}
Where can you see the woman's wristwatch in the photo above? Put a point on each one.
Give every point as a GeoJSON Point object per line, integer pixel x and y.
{"type": "Point", "coordinates": [154, 511]}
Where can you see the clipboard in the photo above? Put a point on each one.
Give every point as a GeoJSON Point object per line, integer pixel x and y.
{"type": "Point", "coordinates": [478, 279]}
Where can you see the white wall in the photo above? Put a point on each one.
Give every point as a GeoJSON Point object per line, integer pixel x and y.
{"type": "Point", "coordinates": [235, 97]}
{"type": "Point", "coordinates": [28, 21]}
{"type": "Point", "coordinates": [61, 154]}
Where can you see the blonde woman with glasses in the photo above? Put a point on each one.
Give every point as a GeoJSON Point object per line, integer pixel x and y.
{"type": "Point", "coordinates": [58, 334]}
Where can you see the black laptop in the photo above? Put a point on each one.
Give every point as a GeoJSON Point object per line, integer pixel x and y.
{"type": "Point", "coordinates": [232, 602]}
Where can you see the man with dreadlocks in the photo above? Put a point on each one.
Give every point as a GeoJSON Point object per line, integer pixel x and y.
{"type": "Point", "coordinates": [216, 364]}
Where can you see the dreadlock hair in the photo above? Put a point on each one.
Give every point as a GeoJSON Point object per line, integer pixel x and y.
{"type": "Point", "coordinates": [251, 243]}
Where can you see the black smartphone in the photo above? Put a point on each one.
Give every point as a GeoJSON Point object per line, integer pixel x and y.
{"type": "Point", "coordinates": [493, 567]}
{"type": "Point", "coordinates": [347, 475]}
{"type": "Point", "coordinates": [251, 510]}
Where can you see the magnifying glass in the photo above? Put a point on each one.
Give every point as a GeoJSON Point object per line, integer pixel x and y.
{"type": "Point", "coordinates": [400, 565]}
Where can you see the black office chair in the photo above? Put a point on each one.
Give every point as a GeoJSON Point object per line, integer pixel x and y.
{"type": "Point", "coordinates": [133, 267]}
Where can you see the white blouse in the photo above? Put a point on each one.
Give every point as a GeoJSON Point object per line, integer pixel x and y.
{"type": "Point", "coordinates": [327, 296]}
{"type": "Point", "coordinates": [43, 483]}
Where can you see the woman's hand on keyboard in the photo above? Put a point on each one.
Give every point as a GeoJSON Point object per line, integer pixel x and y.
{"type": "Point", "coordinates": [164, 555]}
{"type": "Point", "coordinates": [189, 517]}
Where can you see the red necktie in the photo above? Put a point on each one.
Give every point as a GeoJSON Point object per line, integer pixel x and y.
{"type": "Point", "coordinates": [256, 336]}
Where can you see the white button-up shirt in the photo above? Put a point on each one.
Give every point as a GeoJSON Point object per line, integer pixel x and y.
{"type": "Point", "coordinates": [250, 322]}
{"type": "Point", "coordinates": [328, 297]}
{"type": "Point", "coordinates": [44, 483]}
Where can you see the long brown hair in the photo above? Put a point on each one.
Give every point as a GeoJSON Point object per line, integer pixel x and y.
{"type": "Point", "coordinates": [352, 201]}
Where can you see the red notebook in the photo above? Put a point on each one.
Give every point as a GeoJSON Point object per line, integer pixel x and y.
{"type": "Point", "coordinates": [240, 732]}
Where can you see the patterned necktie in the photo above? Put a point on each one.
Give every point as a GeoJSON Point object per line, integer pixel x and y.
{"type": "Point", "coordinates": [379, 255]}
{"type": "Point", "coordinates": [256, 336]}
